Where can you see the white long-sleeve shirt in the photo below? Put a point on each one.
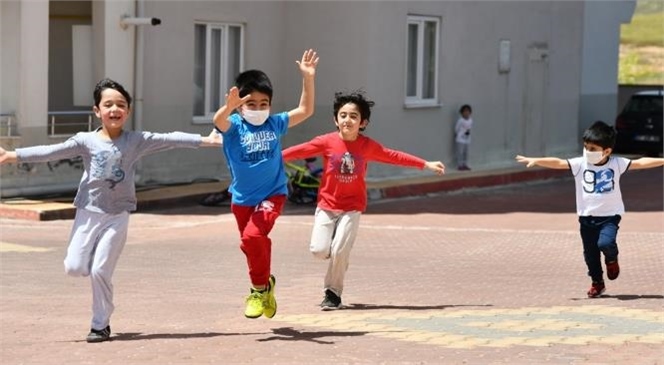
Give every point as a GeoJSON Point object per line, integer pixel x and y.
{"type": "Point", "coordinates": [107, 184]}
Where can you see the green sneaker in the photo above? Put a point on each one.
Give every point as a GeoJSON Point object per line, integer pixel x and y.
{"type": "Point", "coordinates": [269, 301]}
{"type": "Point", "coordinates": [254, 304]}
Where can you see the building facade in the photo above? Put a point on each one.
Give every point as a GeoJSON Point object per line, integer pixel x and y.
{"type": "Point", "coordinates": [519, 64]}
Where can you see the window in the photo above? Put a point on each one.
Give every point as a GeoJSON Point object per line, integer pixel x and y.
{"type": "Point", "coordinates": [422, 61]}
{"type": "Point", "coordinates": [218, 50]}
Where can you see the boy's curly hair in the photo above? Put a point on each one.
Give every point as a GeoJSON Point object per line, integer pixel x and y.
{"type": "Point", "coordinates": [356, 97]}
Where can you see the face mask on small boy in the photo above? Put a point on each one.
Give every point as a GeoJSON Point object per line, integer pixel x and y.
{"type": "Point", "coordinates": [593, 157]}
{"type": "Point", "coordinates": [255, 117]}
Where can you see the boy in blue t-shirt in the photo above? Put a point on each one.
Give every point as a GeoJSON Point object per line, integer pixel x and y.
{"type": "Point", "coordinates": [252, 146]}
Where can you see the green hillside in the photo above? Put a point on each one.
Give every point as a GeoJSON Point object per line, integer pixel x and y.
{"type": "Point", "coordinates": [642, 45]}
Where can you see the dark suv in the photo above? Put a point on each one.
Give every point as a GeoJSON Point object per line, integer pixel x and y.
{"type": "Point", "coordinates": [639, 125]}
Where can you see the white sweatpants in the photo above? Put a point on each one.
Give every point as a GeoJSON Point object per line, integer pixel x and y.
{"type": "Point", "coordinates": [332, 238]}
{"type": "Point", "coordinates": [95, 245]}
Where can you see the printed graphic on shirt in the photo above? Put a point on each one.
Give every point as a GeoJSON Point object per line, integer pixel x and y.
{"type": "Point", "coordinates": [347, 164]}
{"type": "Point", "coordinates": [344, 165]}
{"type": "Point", "coordinates": [256, 146]}
{"type": "Point", "coordinates": [107, 165]}
{"type": "Point", "coordinates": [598, 182]}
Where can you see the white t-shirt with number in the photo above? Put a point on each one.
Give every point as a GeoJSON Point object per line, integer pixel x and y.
{"type": "Point", "coordinates": [598, 186]}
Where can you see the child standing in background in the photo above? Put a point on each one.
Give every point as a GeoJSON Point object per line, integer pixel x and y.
{"type": "Point", "coordinates": [462, 132]}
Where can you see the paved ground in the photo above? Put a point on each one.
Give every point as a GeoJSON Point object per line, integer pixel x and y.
{"type": "Point", "coordinates": [490, 276]}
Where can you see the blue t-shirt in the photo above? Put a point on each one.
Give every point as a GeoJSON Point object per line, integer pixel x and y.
{"type": "Point", "coordinates": [253, 154]}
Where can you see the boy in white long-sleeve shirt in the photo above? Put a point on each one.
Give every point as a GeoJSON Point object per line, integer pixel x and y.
{"type": "Point", "coordinates": [106, 193]}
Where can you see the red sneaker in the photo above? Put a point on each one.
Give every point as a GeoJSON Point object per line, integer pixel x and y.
{"type": "Point", "coordinates": [596, 289]}
{"type": "Point", "coordinates": [612, 270]}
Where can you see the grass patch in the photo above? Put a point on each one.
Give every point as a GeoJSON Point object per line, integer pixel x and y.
{"type": "Point", "coordinates": [642, 45]}
{"type": "Point", "coordinates": [644, 30]}
{"type": "Point", "coordinates": [641, 65]}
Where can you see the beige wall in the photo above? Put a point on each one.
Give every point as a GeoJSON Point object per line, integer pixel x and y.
{"type": "Point", "coordinates": [368, 52]}
{"type": "Point", "coordinates": [365, 48]}
{"type": "Point", "coordinates": [533, 108]}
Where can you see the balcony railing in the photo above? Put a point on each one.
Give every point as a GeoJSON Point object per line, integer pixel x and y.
{"type": "Point", "coordinates": [7, 125]}
{"type": "Point", "coordinates": [67, 123]}
{"type": "Point", "coordinates": [60, 123]}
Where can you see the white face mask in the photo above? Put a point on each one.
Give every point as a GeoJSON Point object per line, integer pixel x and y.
{"type": "Point", "coordinates": [593, 157]}
{"type": "Point", "coordinates": [255, 117]}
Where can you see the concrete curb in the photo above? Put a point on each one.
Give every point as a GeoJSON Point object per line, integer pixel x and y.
{"type": "Point", "coordinates": [171, 196]}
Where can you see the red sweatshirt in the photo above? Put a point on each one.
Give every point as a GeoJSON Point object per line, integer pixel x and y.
{"type": "Point", "coordinates": [343, 186]}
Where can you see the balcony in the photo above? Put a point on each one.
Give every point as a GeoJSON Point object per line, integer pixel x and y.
{"type": "Point", "coordinates": [8, 125]}
{"type": "Point", "coordinates": [60, 123]}
{"type": "Point", "coordinates": [68, 123]}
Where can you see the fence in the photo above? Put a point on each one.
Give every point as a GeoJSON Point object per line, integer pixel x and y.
{"type": "Point", "coordinates": [67, 123]}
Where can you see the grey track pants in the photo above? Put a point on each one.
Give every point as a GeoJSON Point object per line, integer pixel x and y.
{"type": "Point", "coordinates": [97, 239]}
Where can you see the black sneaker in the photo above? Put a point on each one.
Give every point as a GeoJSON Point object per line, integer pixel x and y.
{"type": "Point", "coordinates": [99, 335]}
{"type": "Point", "coordinates": [331, 301]}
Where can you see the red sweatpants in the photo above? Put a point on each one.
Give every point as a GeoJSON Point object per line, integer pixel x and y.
{"type": "Point", "coordinates": [255, 223]}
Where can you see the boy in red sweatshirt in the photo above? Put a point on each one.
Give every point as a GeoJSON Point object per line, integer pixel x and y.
{"type": "Point", "coordinates": [342, 196]}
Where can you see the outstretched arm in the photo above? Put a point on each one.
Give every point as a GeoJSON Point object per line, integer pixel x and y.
{"type": "Point", "coordinates": [7, 156]}
{"type": "Point", "coordinates": [306, 108]}
{"type": "Point", "coordinates": [646, 163]}
{"type": "Point", "coordinates": [233, 101]}
{"type": "Point", "coordinates": [303, 150]}
{"type": "Point", "coordinates": [548, 162]}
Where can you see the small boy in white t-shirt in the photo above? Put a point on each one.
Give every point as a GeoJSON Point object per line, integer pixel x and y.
{"type": "Point", "coordinates": [462, 136]}
{"type": "Point", "coordinates": [599, 202]}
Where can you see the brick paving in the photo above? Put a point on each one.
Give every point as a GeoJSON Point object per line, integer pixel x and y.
{"type": "Point", "coordinates": [477, 276]}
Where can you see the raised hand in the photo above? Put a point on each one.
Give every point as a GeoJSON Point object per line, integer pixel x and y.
{"type": "Point", "coordinates": [233, 100]}
{"type": "Point", "coordinates": [308, 63]}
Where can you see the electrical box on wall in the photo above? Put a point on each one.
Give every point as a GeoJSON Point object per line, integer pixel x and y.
{"type": "Point", "coordinates": [504, 50]}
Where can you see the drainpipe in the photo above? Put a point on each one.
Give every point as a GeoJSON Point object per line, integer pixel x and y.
{"type": "Point", "coordinates": [138, 68]}
{"type": "Point", "coordinates": [139, 45]}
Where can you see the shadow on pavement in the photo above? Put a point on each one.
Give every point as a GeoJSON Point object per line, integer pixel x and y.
{"type": "Point", "coordinates": [623, 297]}
{"type": "Point", "coordinates": [291, 334]}
{"type": "Point", "coordinates": [635, 297]}
{"type": "Point", "coordinates": [360, 306]}
{"type": "Point", "coordinates": [136, 336]}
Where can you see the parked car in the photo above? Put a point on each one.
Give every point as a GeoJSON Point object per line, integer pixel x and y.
{"type": "Point", "coordinates": [639, 124]}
